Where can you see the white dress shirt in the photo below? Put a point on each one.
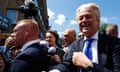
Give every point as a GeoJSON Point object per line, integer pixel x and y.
{"type": "Point", "coordinates": [94, 47]}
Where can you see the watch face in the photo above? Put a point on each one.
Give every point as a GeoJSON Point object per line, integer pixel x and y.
{"type": "Point", "coordinates": [89, 68]}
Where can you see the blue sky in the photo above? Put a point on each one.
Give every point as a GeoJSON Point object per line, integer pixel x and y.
{"type": "Point", "coordinates": [62, 13]}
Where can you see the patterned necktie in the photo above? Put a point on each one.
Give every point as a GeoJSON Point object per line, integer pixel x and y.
{"type": "Point", "coordinates": [88, 50]}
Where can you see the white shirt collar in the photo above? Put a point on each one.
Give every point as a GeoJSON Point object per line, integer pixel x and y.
{"type": "Point", "coordinates": [28, 44]}
{"type": "Point", "coordinates": [95, 36]}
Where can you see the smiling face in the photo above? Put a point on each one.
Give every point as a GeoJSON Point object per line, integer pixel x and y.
{"type": "Point", "coordinates": [88, 21]}
{"type": "Point", "coordinates": [51, 39]}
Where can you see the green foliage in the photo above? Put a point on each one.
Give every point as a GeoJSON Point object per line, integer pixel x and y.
{"type": "Point", "coordinates": [102, 28]}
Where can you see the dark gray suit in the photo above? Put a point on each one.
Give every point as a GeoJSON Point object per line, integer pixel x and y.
{"type": "Point", "coordinates": [32, 59]}
{"type": "Point", "coordinates": [108, 55]}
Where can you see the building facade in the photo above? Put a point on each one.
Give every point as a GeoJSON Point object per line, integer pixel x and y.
{"type": "Point", "coordinates": [10, 13]}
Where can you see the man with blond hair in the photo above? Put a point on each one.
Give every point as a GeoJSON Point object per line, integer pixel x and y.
{"type": "Point", "coordinates": [94, 52]}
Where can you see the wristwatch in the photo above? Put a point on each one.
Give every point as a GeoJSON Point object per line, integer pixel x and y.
{"type": "Point", "coordinates": [90, 68]}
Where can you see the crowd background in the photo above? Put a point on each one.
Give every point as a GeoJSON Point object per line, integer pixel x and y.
{"type": "Point", "coordinates": [22, 50]}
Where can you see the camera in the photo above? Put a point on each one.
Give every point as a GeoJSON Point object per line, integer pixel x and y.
{"type": "Point", "coordinates": [29, 9]}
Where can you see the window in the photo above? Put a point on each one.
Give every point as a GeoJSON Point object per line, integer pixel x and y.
{"type": "Point", "coordinates": [36, 3]}
{"type": "Point", "coordinates": [12, 14]}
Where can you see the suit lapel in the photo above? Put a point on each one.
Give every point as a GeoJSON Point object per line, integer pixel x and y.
{"type": "Point", "coordinates": [79, 47]}
{"type": "Point", "coordinates": [81, 44]}
{"type": "Point", "coordinates": [102, 46]}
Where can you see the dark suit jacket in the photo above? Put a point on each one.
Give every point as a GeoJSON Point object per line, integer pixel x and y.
{"type": "Point", "coordinates": [108, 55]}
{"type": "Point", "coordinates": [32, 59]}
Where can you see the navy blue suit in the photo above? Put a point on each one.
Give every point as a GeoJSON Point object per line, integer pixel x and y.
{"type": "Point", "coordinates": [108, 55]}
{"type": "Point", "coordinates": [32, 59]}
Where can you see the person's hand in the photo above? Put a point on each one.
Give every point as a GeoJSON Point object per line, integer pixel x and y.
{"type": "Point", "coordinates": [9, 42]}
{"type": "Point", "coordinates": [56, 58]}
{"type": "Point", "coordinates": [81, 60]}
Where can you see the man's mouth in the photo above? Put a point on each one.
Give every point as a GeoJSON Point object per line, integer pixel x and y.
{"type": "Point", "coordinates": [86, 25]}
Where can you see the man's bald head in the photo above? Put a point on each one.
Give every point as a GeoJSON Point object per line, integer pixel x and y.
{"type": "Point", "coordinates": [69, 36]}
{"type": "Point", "coordinates": [25, 31]}
{"type": "Point", "coordinates": [30, 25]}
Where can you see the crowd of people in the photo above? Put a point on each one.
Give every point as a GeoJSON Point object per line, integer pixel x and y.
{"type": "Point", "coordinates": [24, 51]}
